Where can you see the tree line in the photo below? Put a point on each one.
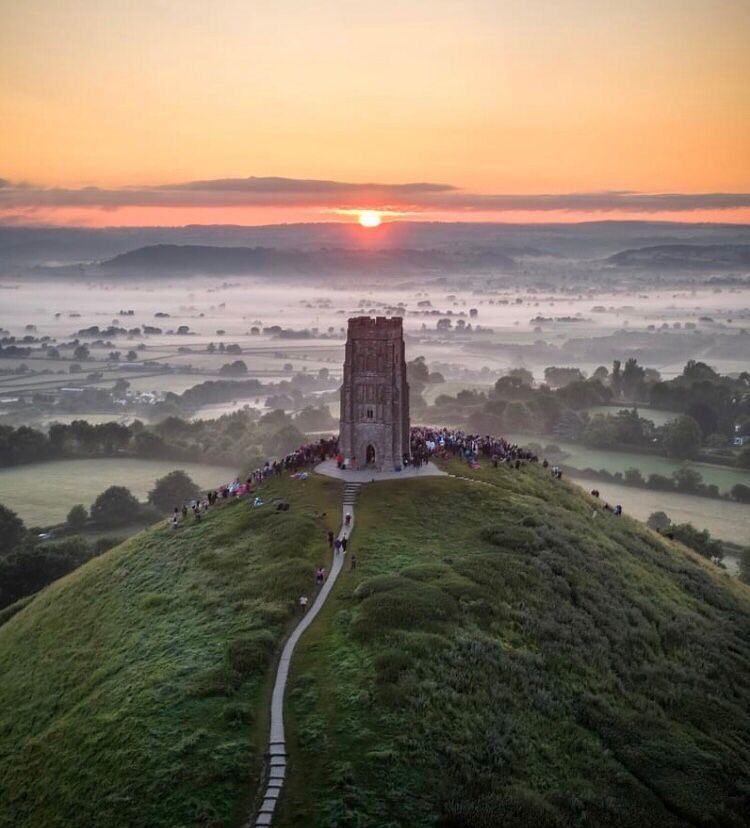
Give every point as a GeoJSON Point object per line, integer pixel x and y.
{"type": "Point", "coordinates": [243, 433]}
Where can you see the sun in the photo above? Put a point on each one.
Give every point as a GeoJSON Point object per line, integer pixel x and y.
{"type": "Point", "coordinates": [369, 218]}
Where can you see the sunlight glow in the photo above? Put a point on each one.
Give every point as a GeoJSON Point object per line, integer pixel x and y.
{"type": "Point", "coordinates": [369, 218]}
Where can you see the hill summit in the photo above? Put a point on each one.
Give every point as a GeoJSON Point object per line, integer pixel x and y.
{"type": "Point", "coordinates": [503, 653]}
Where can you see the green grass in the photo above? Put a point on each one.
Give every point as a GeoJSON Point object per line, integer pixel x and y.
{"type": "Point", "coordinates": [132, 691]}
{"type": "Point", "coordinates": [502, 657]}
{"type": "Point", "coordinates": [499, 656]}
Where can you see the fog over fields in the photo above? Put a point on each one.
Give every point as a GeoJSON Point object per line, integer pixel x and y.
{"type": "Point", "coordinates": [136, 325]}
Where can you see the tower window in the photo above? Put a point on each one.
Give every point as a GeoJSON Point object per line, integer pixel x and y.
{"type": "Point", "coordinates": [370, 413]}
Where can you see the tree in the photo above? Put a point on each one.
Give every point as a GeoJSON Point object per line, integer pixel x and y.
{"type": "Point", "coordinates": [526, 377]}
{"type": "Point", "coordinates": [658, 520]}
{"type": "Point", "coordinates": [615, 380]}
{"type": "Point", "coordinates": [560, 377]}
{"type": "Point", "coordinates": [701, 542]}
{"type": "Point", "coordinates": [148, 444]}
{"type": "Point", "coordinates": [77, 517]}
{"type": "Point", "coordinates": [633, 477]}
{"type": "Point", "coordinates": [511, 388]}
{"type": "Point", "coordinates": [173, 490]}
{"type": "Point", "coordinates": [237, 368]}
{"type": "Point", "coordinates": [112, 436]}
{"type": "Point", "coordinates": [661, 482]}
{"type": "Point", "coordinates": [569, 425]}
{"type": "Point", "coordinates": [686, 479]}
{"type": "Point", "coordinates": [601, 374]}
{"type": "Point", "coordinates": [286, 439]}
{"type": "Point", "coordinates": [549, 408]}
{"type": "Point", "coordinates": [600, 432]}
{"type": "Point", "coordinates": [417, 371]}
{"type": "Point", "coordinates": [315, 419]}
{"type": "Point", "coordinates": [115, 506]}
{"type": "Point", "coordinates": [12, 529]}
{"type": "Point", "coordinates": [705, 415]}
{"type": "Point", "coordinates": [633, 379]}
{"type": "Point", "coordinates": [583, 394]}
{"type": "Point", "coordinates": [121, 386]}
{"type": "Point", "coordinates": [681, 438]}
{"type": "Point", "coordinates": [741, 492]}
{"type": "Point", "coordinates": [518, 417]}
{"type": "Point", "coordinates": [81, 353]}
{"type": "Point", "coordinates": [698, 371]}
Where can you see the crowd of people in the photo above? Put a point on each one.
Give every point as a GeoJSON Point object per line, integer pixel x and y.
{"type": "Point", "coordinates": [446, 442]}
{"type": "Point", "coordinates": [426, 443]}
{"type": "Point", "coordinates": [295, 462]}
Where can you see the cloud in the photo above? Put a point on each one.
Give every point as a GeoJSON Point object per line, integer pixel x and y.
{"type": "Point", "coordinates": [605, 201]}
{"type": "Point", "coordinates": [296, 186]}
{"type": "Point", "coordinates": [340, 195]}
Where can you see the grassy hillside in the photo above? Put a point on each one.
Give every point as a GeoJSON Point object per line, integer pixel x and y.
{"type": "Point", "coordinates": [129, 689]}
{"type": "Point", "coordinates": [500, 656]}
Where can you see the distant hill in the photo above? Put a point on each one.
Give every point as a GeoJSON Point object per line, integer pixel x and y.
{"type": "Point", "coordinates": [31, 246]}
{"type": "Point", "coordinates": [503, 654]}
{"type": "Point", "coordinates": [192, 259]}
{"type": "Point", "coordinates": [685, 256]}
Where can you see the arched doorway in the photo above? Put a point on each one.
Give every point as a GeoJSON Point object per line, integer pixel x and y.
{"type": "Point", "coordinates": [370, 455]}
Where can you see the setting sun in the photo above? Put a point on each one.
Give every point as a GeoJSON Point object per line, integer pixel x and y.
{"type": "Point", "coordinates": [369, 218]}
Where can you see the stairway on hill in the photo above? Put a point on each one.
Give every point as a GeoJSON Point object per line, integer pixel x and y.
{"type": "Point", "coordinates": [277, 754]}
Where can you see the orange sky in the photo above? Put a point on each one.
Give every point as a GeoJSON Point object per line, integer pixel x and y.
{"type": "Point", "coordinates": [490, 96]}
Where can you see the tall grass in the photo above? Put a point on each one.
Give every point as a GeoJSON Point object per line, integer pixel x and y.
{"type": "Point", "coordinates": [130, 690]}
{"type": "Point", "coordinates": [500, 656]}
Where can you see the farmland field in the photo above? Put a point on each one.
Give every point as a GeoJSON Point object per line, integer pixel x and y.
{"type": "Point", "coordinates": [43, 493]}
{"type": "Point", "coordinates": [582, 457]}
{"type": "Point", "coordinates": [727, 520]}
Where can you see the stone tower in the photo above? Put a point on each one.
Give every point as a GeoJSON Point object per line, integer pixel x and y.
{"type": "Point", "coordinates": [375, 395]}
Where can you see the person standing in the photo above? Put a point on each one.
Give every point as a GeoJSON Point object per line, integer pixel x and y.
{"type": "Point", "coordinates": [354, 561]}
{"type": "Point", "coordinates": [337, 545]}
{"type": "Point", "coordinates": [344, 541]}
{"type": "Point", "coordinates": [330, 539]}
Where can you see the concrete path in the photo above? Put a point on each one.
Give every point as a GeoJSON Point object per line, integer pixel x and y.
{"type": "Point", "coordinates": [277, 753]}
{"type": "Point", "coordinates": [330, 469]}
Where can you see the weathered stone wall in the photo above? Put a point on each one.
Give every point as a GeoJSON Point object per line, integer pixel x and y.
{"type": "Point", "coordinates": [374, 394]}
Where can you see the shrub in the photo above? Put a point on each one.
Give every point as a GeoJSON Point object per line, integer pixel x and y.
{"type": "Point", "coordinates": [658, 520]}
{"type": "Point", "coordinates": [410, 605]}
{"type": "Point", "coordinates": [250, 652]}
{"type": "Point", "coordinates": [115, 506]}
{"type": "Point", "coordinates": [77, 517]}
{"type": "Point", "coordinates": [512, 537]}
{"type": "Point", "coordinates": [172, 490]}
{"type": "Point", "coordinates": [11, 529]}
